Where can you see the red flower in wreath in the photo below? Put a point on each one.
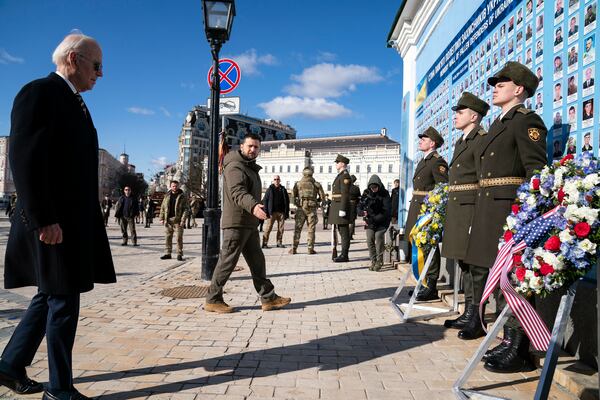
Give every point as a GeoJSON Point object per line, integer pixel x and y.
{"type": "Point", "coordinates": [560, 195]}
{"type": "Point", "coordinates": [515, 208]}
{"type": "Point", "coordinates": [552, 244]}
{"type": "Point", "coordinates": [521, 273]}
{"type": "Point", "coordinates": [517, 260]}
{"type": "Point", "coordinates": [546, 269]}
{"type": "Point", "coordinates": [566, 158]}
{"type": "Point", "coordinates": [535, 183]}
{"type": "Point", "coordinates": [508, 235]}
{"type": "Point", "coordinates": [582, 229]}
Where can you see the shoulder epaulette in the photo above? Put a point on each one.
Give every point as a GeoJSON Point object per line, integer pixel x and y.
{"type": "Point", "coordinates": [524, 110]}
{"type": "Point", "coordinates": [482, 132]}
{"type": "Point", "coordinates": [436, 155]}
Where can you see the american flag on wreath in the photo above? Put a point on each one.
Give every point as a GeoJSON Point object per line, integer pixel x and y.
{"type": "Point", "coordinates": [529, 236]}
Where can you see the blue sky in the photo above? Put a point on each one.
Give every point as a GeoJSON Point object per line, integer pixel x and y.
{"type": "Point", "coordinates": [319, 66]}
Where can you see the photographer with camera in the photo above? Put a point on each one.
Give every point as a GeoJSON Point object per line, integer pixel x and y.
{"type": "Point", "coordinates": [376, 208]}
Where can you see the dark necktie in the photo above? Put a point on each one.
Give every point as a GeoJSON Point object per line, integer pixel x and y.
{"type": "Point", "coordinates": [82, 103]}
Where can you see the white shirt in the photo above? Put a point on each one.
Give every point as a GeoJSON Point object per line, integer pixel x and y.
{"type": "Point", "coordinates": [68, 82]}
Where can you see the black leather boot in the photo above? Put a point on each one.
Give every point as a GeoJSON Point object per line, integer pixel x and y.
{"type": "Point", "coordinates": [461, 321]}
{"type": "Point", "coordinates": [473, 328]}
{"type": "Point", "coordinates": [428, 293]}
{"type": "Point", "coordinates": [498, 350]}
{"type": "Point", "coordinates": [515, 358]}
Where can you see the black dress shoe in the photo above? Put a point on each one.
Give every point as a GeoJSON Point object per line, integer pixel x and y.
{"type": "Point", "coordinates": [460, 322]}
{"type": "Point", "coordinates": [515, 358]}
{"type": "Point", "coordinates": [72, 395]}
{"type": "Point", "coordinates": [428, 293]}
{"type": "Point", "coordinates": [20, 386]}
{"type": "Point", "coordinates": [180, 258]}
{"type": "Point", "coordinates": [503, 346]}
{"type": "Point", "coordinates": [473, 328]}
{"type": "Point", "coordinates": [165, 257]}
{"type": "Point", "coordinates": [341, 259]}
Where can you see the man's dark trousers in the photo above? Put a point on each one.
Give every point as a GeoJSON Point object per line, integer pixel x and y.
{"type": "Point", "coordinates": [55, 317]}
{"type": "Point", "coordinates": [344, 230]}
{"type": "Point", "coordinates": [238, 241]}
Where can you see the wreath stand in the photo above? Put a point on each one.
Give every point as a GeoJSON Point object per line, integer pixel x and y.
{"type": "Point", "coordinates": [437, 311]}
{"type": "Point", "coordinates": [558, 332]}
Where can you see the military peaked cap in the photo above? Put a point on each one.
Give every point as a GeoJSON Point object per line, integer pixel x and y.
{"type": "Point", "coordinates": [469, 100]}
{"type": "Point", "coordinates": [434, 135]}
{"type": "Point", "coordinates": [341, 158]}
{"type": "Point", "coordinates": [517, 73]}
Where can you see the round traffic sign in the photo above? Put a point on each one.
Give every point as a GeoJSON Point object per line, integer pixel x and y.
{"type": "Point", "coordinates": [229, 75]}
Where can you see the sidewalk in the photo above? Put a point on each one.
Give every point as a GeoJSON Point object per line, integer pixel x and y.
{"type": "Point", "coordinates": [339, 339]}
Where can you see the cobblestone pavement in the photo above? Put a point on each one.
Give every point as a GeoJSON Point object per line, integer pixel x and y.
{"type": "Point", "coordinates": [339, 339]}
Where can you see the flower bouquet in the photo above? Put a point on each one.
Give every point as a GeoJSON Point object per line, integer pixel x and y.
{"type": "Point", "coordinates": [568, 251]}
{"type": "Point", "coordinates": [433, 209]}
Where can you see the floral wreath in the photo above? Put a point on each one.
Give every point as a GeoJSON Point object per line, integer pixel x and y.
{"type": "Point", "coordinates": [569, 249]}
{"type": "Point", "coordinates": [433, 205]}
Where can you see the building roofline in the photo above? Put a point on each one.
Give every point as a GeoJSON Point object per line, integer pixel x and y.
{"type": "Point", "coordinates": [329, 138]}
{"type": "Point", "coordinates": [393, 27]}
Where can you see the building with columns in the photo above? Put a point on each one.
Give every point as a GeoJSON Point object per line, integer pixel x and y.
{"type": "Point", "coordinates": [7, 186]}
{"type": "Point", "coordinates": [369, 153]}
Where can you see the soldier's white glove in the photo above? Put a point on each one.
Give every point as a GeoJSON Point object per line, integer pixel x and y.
{"type": "Point", "coordinates": [342, 213]}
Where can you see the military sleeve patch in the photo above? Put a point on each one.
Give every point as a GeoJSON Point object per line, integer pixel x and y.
{"type": "Point", "coordinates": [524, 110]}
{"type": "Point", "coordinates": [534, 134]}
{"type": "Point", "coordinates": [346, 181]}
{"type": "Point", "coordinates": [442, 169]}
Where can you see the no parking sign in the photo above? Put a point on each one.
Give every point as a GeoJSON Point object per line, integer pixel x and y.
{"type": "Point", "coordinates": [229, 75]}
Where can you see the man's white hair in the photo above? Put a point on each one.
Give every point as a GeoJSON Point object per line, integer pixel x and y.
{"type": "Point", "coordinates": [71, 43]}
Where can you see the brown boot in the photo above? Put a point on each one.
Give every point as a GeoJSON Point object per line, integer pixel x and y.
{"type": "Point", "coordinates": [219, 308]}
{"type": "Point", "coordinates": [312, 251]}
{"type": "Point", "coordinates": [276, 303]}
{"type": "Point", "coordinates": [292, 251]}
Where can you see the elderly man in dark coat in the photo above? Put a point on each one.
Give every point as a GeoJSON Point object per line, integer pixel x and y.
{"type": "Point", "coordinates": [430, 170]}
{"type": "Point", "coordinates": [57, 244]}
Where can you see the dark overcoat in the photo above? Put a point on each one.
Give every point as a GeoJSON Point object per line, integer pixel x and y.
{"type": "Point", "coordinates": [430, 170]}
{"type": "Point", "coordinates": [340, 199]}
{"type": "Point", "coordinates": [515, 146]}
{"type": "Point", "coordinates": [461, 200]}
{"type": "Point", "coordinates": [54, 160]}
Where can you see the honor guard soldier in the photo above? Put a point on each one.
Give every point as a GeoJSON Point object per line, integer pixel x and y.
{"type": "Point", "coordinates": [462, 191]}
{"type": "Point", "coordinates": [340, 213]}
{"type": "Point", "coordinates": [307, 194]}
{"type": "Point", "coordinates": [514, 147]}
{"type": "Point", "coordinates": [430, 170]}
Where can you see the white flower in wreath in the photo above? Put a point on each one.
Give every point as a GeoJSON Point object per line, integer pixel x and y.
{"type": "Point", "coordinates": [529, 274]}
{"type": "Point", "coordinates": [552, 259]}
{"type": "Point", "coordinates": [537, 282]}
{"type": "Point", "coordinates": [587, 246]}
{"type": "Point", "coordinates": [565, 236]}
{"type": "Point", "coordinates": [589, 214]}
{"type": "Point", "coordinates": [572, 213]}
{"type": "Point", "coordinates": [591, 181]}
{"type": "Point", "coordinates": [571, 191]}
{"type": "Point", "coordinates": [558, 177]}
{"type": "Point", "coordinates": [511, 222]}
{"type": "Point", "coordinates": [531, 200]}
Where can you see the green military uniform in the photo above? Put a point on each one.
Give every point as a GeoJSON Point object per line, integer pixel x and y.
{"type": "Point", "coordinates": [340, 213]}
{"type": "Point", "coordinates": [514, 147]}
{"type": "Point", "coordinates": [306, 193]}
{"type": "Point", "coordinates": [430, 170]}
{"type": "Point", "coordinates": [462, 193]}
{"type": "Point", "coordinates": [355, 195]}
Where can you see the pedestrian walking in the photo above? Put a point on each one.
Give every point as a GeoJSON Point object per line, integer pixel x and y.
{"type": "Point", "coordinates": [307, 195]}
{"type": "Point", "coordinates": [277, 208]}
{"type": "Point", "coordinates": [325, 206]}
{"type": "Point", "coordinates": [241, 212]}
{"type": "Point", "coordinates": [106, 206]}
{"type": "Point", "coordinates": [127, 211]}
{"type": "Point", "coordinates": [55, 243]}
{"type": "Point", "coordinates": [171, 216]}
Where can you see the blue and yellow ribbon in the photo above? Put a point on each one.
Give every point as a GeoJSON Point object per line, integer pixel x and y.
{"type": "Point", "coordinates": [418, 256]}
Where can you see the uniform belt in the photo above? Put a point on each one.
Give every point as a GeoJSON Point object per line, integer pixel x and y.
{"type": "Point", "coordinates": [336, 196]}
{"type": "Point", "coordinates": [463, 187]}
{"type": "Point", "coordinates": [504, 181]}
{"type": "Point", "coordinates": [420, 192]}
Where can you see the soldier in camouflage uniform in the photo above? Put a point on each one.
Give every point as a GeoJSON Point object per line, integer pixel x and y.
{"type": "Point", "coordinates": [307, 194]}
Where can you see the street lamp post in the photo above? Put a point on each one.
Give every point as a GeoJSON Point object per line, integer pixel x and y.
{"type": "Point", "coordinates": [218, 18]}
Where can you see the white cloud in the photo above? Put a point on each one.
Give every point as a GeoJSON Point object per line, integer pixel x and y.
{"type": "Point", "coordinates": [250, 60]}
{"type": "Point", "coordinates": [165, 112]}
{"type": "Point", "coordinates": [6, 58]}
{"type": "Point", "coordinates": [331, 80]}
{"type": "Point", "coordinates": [159, 162]}
{"type": "Point", "coordinates": [317, 108]}
{"type": "Point", "coordinates": [140, 111]}
{"type": "Point", "coordinates": [326, 56]}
